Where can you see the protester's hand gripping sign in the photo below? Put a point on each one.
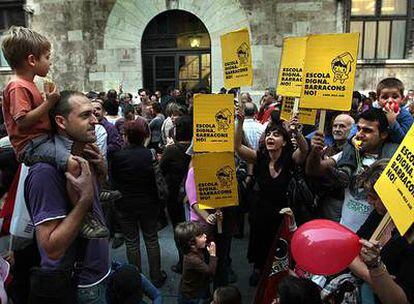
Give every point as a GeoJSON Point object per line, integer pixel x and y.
{"type": "Point", "coordinates": [396, 185]}
{"type": "Point", "coordinates": [329, 71]}
{"type": "Point", "coordinates": [215, 179]}
{"type": "Point", "coordinates": [291, 66]}
{"type": "Point", "coordinates": [237, 59]}
{"type": "Point", "coordinates": [213, 123]}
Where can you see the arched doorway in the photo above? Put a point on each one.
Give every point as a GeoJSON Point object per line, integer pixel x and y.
{"type": "Point", "coordinates": [176, 52]}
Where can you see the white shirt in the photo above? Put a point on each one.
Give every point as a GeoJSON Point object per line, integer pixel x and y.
{"type": "Point", "coordinates": [101, 137]}
{"type": "Point", "coordinates": [253, 130]}
{"type": "Point", "coordinates": [356, 209]}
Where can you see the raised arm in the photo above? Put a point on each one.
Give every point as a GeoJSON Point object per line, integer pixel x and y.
{"type": "Point", "coordinates": [299, 156]}
{"type": "Point", "coordinates": [247, 154]}
{"type": "Point", "coordinates": [315, 166]}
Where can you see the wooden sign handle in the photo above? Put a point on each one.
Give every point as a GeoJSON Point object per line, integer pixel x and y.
{"type": "Point", "coordinates": [219, 225]}
{"type": "Point", "coordinates": [409, 235]}
{"type": "Point", "coordinates": [322, 121]}
{"type": "Point", "coordinates": [386, 221]}
{"type": "Point", "coordinates": [295, 110]}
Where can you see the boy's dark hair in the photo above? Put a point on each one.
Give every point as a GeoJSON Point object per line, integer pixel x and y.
{"type": "Point", "coordinates": [227, 295]}
{"type": "Point", "coordinates": [293, 290]}
{"type": "Point", "coordinates": [370, 175]}
{"type": "Point", "coordinates": [125, 285]}
{"type": "Point", "coordinates": [19, 42]}
{"type": "Point", "coordinates": [376, 115]}
{"type": "Point", "coordinates": [390, 83]}
{"type": "Point", "coordinates": [185, 235]}
{"type": "Point", "coordinates": [184, 128]}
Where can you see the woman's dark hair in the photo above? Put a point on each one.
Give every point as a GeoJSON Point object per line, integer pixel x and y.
{"type": "Point", "coordinates": [275, 116]}
{"type": "Point", "coordinates": [111, 107]}
{"type": "Point", "coordinates": [136, 131]}
{"type": "Point", "coordinates": [286, 156]}
{"type": "Point", "coordinates": [111, 103]}
{"type": "Point", "coordinates": [227, 295]}
{"type": "Point", "coordinates": [125, 285]}
{"type": "Point", "coordinates": [185, 234]}
{"type": "Point", "coordinates": [293, 290]}
{"type": "Point", "coordinates": [184, 128]}
{"type": "Point", "coordinates": [111, 95]}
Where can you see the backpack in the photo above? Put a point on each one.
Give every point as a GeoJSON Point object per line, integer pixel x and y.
{"type": "Point", "coordinates": [162, 187]}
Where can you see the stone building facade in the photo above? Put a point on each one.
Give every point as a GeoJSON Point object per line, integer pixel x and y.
{"type": "Point", "coordinates": [91, 37]}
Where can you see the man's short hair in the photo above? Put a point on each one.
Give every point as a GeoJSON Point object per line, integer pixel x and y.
{"type": "Point", "coordinates": [376, 115]}
{"type": "Point", "coordinates": [20, 42]}
{"type": "Point", "coordinates": [249, 109]}
{"type": "Point", "coordinates": [143, 90]}
{"type": "Point", "coordinates": [185, 235]}
{"type": "Point", "coordinates": [390, 83]}
{"type": "Point", "coordinates": [63, 107]}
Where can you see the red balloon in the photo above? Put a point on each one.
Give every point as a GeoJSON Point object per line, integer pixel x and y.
{"type": "Point", "coordinates": [324, 247]}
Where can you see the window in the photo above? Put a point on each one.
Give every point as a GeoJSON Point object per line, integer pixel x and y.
{"type": "Point", "coordinates": [176, 52]}
{"type": "Point", "coordinates": [11, 13]}
{"type": "Point", "coordinates": [383, 27]}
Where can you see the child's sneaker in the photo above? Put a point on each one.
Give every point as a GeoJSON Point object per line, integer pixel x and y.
{"type": "Point", "coordinates": [110, 195]}
{"type": "Point", "coordinates": [93, 229]}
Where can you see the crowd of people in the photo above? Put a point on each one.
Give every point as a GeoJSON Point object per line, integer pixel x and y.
{"type": "Point", "coordinates": [109, 165]}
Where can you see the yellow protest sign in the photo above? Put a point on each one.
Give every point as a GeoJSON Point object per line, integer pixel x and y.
{"type": "Point", "coordinates": [213, 123]}
{"type": "Point", "coordinates": [215, 179]}
{"type": "Point", "coordinates": [306, 116]}
{"type": "Point", "coordinates": [291, 66]}
{"type": "Point", "coordinates": [237, 59]}
{"type": "Point", "coordinates": [396, 184]}
{"type": "Point", "coordinates": [329, 71]}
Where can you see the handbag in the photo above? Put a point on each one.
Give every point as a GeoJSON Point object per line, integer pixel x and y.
{"type": "Point", "coordinates": [162, 187]}
{"type": "Point", "coordinates": [302, 199]}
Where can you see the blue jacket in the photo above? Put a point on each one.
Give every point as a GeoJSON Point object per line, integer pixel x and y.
{"type": "Point", "coordinates": [401, 126]}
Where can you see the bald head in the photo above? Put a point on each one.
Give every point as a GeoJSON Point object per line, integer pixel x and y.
{"type": "Point", "coordinates": [341, 127]}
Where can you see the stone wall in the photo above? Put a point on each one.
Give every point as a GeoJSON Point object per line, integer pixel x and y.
{"type": "Point", "coordinates": [75, 28]}
{"type": "Point", "coordinates": [97, 42]}
{"type": "Point", "coordinates": [368, 76]}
